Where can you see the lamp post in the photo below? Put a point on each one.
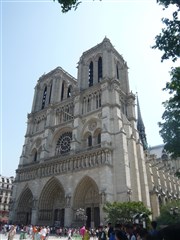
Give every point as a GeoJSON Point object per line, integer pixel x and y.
{"type": "Point", "coordinates": [140, 218]}
{"type": "Point", "coordinates": [174, 212]}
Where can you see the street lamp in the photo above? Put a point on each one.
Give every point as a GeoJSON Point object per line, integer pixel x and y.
{"type": "Point", "coordinates": [174, 211]}
{"type": "Point", "coordinates": [140, 218]}
{"type": "Point", "coordinates": [136, 218]}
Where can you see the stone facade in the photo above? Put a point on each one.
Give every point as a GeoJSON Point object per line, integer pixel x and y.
{"type": "Point", "coordinates": [6, 188]}
{"type": "Point", "coordinates": [82, 147]}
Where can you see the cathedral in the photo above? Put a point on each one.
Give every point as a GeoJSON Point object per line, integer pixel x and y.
{"type": "Point", "coordinates": [84, 146]}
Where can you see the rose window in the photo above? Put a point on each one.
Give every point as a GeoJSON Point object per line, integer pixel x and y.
{"type": "Point", "coordinates": [64, 143]}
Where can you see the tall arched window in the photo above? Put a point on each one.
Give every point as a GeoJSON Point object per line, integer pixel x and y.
{"type": "Point", "coordinates": [69, 92]}
{"type": "Point", "coordinates": [44, 98]}
{"type": "Point", "coordinates": [91, 74]}
{"type": "Point", "coordinates": [99, 138]}
{"type": "Point", "coordinates": [50, 93]}
{"type": "Point", "coordinates": [99, 69]}
{"type": "Point", "coordinates": [62, 91]}
{"type": "Point", "coordinates": [117, 71]}
{"type": "Point", "coordinates": [89, 141]}
{"type": "Point", "coordinates": [35, 156]}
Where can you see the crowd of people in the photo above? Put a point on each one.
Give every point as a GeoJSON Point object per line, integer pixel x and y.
{"type": "Point", "coordinates": [118, 232]}
{"type": "Point", "coordinates": [122, 232]}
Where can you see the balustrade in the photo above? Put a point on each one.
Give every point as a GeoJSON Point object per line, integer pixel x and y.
{"type": "Point", "coordinates": [56, 166]}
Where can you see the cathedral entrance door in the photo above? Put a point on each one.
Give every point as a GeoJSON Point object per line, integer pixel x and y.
{"type": "Point", "coordinates": [96, 217]}
{"type": "Point", "coordinates": [59, 217]}
{"type": "Point", "coordinates": [88, 214]}
{"type": "Point", "coordinates": [28, 217]}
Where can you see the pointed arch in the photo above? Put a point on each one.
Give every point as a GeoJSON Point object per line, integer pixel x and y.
{"type": "Point", "coordinates": [87, 139]}
{"type": "Point", "coordinates": [100, 69]}
{"type": "Point", "coordinates": [24, 207]}
{"type": "Point", "coordinates": [44, 98]}
{"type": "Point", "coordinates": [51, 190]}
{"type": "Point", "coordinates": [97, 136]}
{"type": "Point", "coordinates": [86, 193]}
{"type": "Point", "coordinates": [87, 197]}
{"type": "Point", "coordinates": [52, 203]}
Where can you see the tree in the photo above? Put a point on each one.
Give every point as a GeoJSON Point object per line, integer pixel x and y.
{"type": "Point", "coordinates": [169, 40]}
{"type": "Point", "coordinates": [169, 213]}
{"type": "Point", "coordinates": [121, 212]}
{"type": "Point", "coordinates": [170, 127]}
{"type": "Point", "coordinates": [67, 5]}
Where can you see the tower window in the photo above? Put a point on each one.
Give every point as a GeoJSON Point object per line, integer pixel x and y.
{"type": "Point", "coordinates": [117, 71]}
{"type": "Point", "coordinates": [99, 68]}
{"type": "Point", "coordinates": [62, 91]}
{"type": "Point", "coordinates": [99, 138]}
{"type": "Point", "coordinates": [50, 93]}
{"type": "Point", "coordinates": [44, 98]}
{"type": "Point", "coordinates": [69, 91]}
{"type": "Point", "coordinates": [91, 74]}
{"type": "Point", "coordinates": [35, 156]}
{"type": "Point", "coordinates": [89, 141]}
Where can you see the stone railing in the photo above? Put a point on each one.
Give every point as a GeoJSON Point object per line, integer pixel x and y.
{"type": "Point", "coordinates": [64, 164]}
{"type": "Point", "coordinates": [64, 112]}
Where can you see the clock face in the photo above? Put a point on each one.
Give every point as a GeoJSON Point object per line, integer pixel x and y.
{"type": "Point", "coordinates": [64, 142]}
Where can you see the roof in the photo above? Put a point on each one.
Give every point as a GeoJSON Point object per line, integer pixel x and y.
{"type": "Point", "coordinates": [157, 150]}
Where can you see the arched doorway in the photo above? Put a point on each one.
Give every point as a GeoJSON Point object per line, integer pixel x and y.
{"type": "Point", "coordinates": [52, 204]}
{"type": "Point", "coordinates": [24, 208]}
{"type": "Point", "coordinates": [87, 197]}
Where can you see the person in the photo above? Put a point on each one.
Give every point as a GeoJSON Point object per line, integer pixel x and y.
{"type": "Point", "coordinates": [86, 234]}
{"type": "Point", "coordinates": [110, 230]}
{"type": "Point", "coordinates": [82, 231]}
{"type": "Point", "coordinates": [11, 232]}
{"type": "Point", "coordinates": [4, 230]}
{"type": "Point", "coordinates": [154, 232]}
{"type": "Point", "coordinates": [120, 235]}
{"type": "Point", "coordinates": [130, 232]}
{"type": "Point", "coordinates": [43, 233]}
{"type": "Point", "coordinates": [102, 234]}
{"type": "Point", "coordinates": [118, 226]}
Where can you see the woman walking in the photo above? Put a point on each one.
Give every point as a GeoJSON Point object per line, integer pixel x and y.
{"type": "Point", "coordinates": [11, 232]}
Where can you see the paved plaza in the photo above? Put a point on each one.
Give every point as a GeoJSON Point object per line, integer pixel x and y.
{"type": "Point", "coordinates": [51, 237]}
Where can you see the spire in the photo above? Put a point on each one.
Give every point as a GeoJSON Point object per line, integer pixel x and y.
{"type": "Point", "coordinates": [140, 127]}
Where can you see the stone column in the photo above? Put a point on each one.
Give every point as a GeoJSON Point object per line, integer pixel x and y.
{"type": "Point", "coordinates": [154, 205]}
{"type": "Point", "coordinates": [34, 216]}
{"type": "Point", "coordinates": [68, 212]}
{"type": "Point", "coordinates": [101, 205]}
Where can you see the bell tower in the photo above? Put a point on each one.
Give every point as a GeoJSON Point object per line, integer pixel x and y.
{"type": "Point", "coordinates": [102, 62]}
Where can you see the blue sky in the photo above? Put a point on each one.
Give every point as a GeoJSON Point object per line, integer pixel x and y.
{"type": "Point", "coordinates": [36, 38]}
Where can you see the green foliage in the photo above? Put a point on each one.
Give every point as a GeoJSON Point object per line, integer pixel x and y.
{"type": "Point", "coordinates": [170, 127]}
{"type": "Point", "coordinates": [166, 3]}
{"type": "Point", "coordinates": [167, 215]}
{"type": "Point", "coordinates": [168, 40]}
{"type": "Point", "coordinates": [177, 174]}
{"type": "Point", "coordinates": [67, 5]}
{"type": "Point", "coordinates": [121, 212]}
